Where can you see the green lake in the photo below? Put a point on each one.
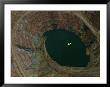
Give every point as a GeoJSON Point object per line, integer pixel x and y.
{"type": "Point", "coordinates": [66, 48]}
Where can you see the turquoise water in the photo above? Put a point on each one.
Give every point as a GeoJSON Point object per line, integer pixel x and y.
{"type": "Point", "coordinates": [66, 48]}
